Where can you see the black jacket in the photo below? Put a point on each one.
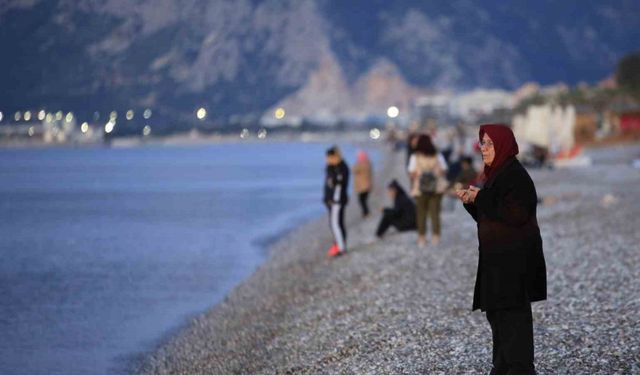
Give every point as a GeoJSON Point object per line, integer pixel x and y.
{"type": "Point", "coordinates": [511, 266]}
{"type": "Point", "coordinates": [404, 210]}
{"type": "Point", "coordinates": [336, 184]}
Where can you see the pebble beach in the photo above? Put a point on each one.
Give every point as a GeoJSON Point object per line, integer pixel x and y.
{"type": "Point", "coordinates": [390, 307]}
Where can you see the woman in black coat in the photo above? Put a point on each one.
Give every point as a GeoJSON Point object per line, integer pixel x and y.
{"type": "Point", "coordinates": [511, 267]}
{"type": "Point", "coordinates": [402, 215]}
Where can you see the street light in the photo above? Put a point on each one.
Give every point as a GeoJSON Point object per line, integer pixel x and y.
{"type": "Point", "coordinates": [393, 111]}
{"type": "Point", "coordinates": [374, 133]}
{"type": "Point", "coordinates": [201, 113]}
{"type": "Point", "coordinates": [279, 113]}
{"type": "Point", "coordinates": [108, 128]}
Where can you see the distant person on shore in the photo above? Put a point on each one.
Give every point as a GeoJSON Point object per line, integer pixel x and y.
{"type": "Point", "coordinates": [363, 180]}
{"type": "Point", "coordinates": [402, 215]}
{"type": "Point", "coordinates": [511, 266]}
{"type": "Point", "coordinates": [336, 198]}
{"type": "Point", "coordinates": [412, 143]}
{"type": "Point", "coordinates": [467, 175]}
{"type": "Point", "coordinates": [427, 170]}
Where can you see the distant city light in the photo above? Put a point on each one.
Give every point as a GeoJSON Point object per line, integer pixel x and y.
{"type": "Point", "coordinates": [31, 131]}
{"type": "Point", "coordinates": [59, 116]}
{"type": "Point", "coordinates": [146, 130]}
{"type": "Point", "coordinates": [201, 113]}
{"type": "Point", "coordinates": [279, 113]}
{"type": "Point", "coordinates": [84, 127]}
{"type": "Point", "coordinates": [130, 114]}
{"type": "Point", "coordinates": [393, 111]}
{"type": "Point", "coordinates": [27, 116]}
{"type": "Point", "coordinates": [244, 133]}
{"type": "Point", "coordinates": [49, 117]}
{"type": "Point", "coordinates": [69, 117]}
{"type": "Point", "coordinates": [42, 115]}
{"type": "Point", "coordinates": [147, 114]}
{"type": "Point", "coordinates": [108, 128]}
{"type": "Point", "coordinates": [1, 116]}
{"type": "Point", "coordinates": [262, 133]}
{"type": "Point", "coordinates": [374, 133]}
{"type": "Point", "coordinates": [113, 115]}
{"type": "Point", "coordinates": [17, 116]}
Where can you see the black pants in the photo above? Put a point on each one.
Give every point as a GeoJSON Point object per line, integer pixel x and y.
{"type": "Point", "coordinates": [512, 331]}
{"type": "Point", "coordinates": [336, 223]}
{"type": "Point", "coordinates": [363, 197]}
{"type": "Point", "coordinates": [390, 219]}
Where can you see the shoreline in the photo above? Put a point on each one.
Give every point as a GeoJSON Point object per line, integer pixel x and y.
{"type": "Point", "coordinates": [276, 248]}
{"type": "Point", "coordinates": [387, 307]}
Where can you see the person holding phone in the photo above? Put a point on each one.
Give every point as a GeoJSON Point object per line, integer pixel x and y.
{"type": "Point", "coordinates": [511, 267]}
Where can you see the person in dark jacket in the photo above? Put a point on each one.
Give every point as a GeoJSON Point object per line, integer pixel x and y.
{"type": "Point", "coordinates": [511, 268]}
{"type": "Point", "coordinates": [402, 215]}
{"type": "Point", "coordinates": [336, 198]}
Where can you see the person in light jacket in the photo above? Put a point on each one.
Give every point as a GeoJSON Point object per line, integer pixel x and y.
{"type": "Point", "coordinates": [427, 170]}
{"type": "Point", "coordinates": [511, 267]}
{"type": "Point", "coordinates": [362, 180]}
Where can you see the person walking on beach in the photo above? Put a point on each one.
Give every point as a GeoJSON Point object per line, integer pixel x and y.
{"type": "Point", "coordinates": [427, 169]}
{"type": "Point", "coordinates": [336, 198]}
{"type": "Point", "coordinates": [362, 180]}
{"type": "Point", "coordinates": [402, 215]}
{"type": "Point", "coordinates": [511, 267]}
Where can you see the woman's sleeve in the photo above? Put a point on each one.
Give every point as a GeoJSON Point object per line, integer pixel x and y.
{"type": "Point", "coordinates": [511, 204]}
{"type": "Point", "coordinates": [472, 210]}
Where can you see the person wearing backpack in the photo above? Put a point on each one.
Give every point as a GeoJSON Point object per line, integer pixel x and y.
{"type": "Point", "coordinates": [427, 169]}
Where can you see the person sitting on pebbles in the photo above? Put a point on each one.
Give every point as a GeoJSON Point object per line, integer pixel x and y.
{"type": "Point", "coordinates": [402, 215]}
{"type": "Point", "coordinates": [511, 267]}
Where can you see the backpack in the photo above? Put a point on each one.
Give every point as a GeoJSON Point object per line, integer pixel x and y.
{"type": "Point", "coordinates": [428, 182]}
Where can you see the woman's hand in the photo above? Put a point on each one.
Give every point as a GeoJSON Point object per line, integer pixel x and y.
{"type": "Point", "coordinates": [467, 196]}
{"type": "Point", "coordinates": [472, 193]}
{"type": "Point", "coordinates": [463, 195]}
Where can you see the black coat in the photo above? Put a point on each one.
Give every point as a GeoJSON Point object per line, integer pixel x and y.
{"type": "Point", "coordinates": [336, 184]}
{"type": "Point", "coordinates": [511, 266]}
{"type": "Point", "coordinates": [404, 211]}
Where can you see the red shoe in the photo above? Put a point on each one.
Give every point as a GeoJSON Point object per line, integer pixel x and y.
{"type": "Point", "coordinates": [333, 251]}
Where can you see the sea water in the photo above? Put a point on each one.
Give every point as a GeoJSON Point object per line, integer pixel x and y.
{"type": "Point", "coordinates": [106, 251]}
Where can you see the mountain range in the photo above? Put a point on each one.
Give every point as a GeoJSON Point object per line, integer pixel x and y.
{"type": "Point", "coordinates": [242, 58]}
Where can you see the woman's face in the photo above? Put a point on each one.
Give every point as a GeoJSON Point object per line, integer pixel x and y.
{"type": "Point", "coordinates": [488, 152]}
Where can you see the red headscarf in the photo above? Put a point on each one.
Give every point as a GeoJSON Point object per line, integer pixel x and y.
{"type": "Point", "coordinates": [504, 144]}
